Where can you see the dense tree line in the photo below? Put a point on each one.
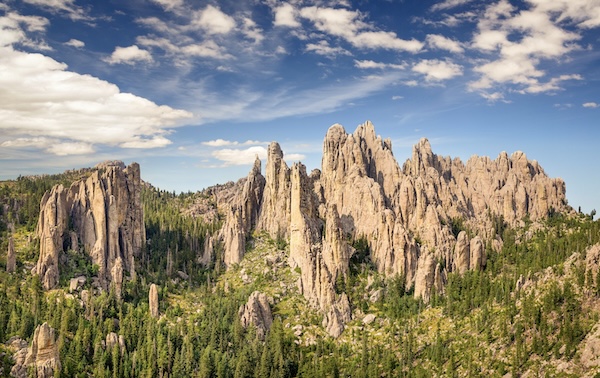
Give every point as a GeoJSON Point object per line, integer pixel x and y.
{"type": "Point", "coordinates": [199, 333]}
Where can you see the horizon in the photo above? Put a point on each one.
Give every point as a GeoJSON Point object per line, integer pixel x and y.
{"type": "Point", "coordinates": [192, 92]}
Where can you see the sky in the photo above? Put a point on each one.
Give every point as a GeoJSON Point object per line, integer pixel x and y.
{"type": "Point", "coordinates": [194, 90]}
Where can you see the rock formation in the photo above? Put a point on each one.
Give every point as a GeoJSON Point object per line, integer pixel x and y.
{"type": "Point", "coordinates": [105, 215]}
{"type": "Point", "coordinates": [43, 354]}
{"type": "Point", "coordinates": [233, 237]}
{"type": "Point", "coordinates": [257, 312]}
{"type": "Point", "coordinates": [208, 252]}
{"type": "Point", "coordinates": [405, 215]}
{"type": "Point", "coordinates": [153, 300]}
{"type": "Point", "coordinates": [11, 260]}
{"type": "Point", "coordinates": [242, 216]}
{"type": "Point", "coordinates": [274, 215]}
{"type": "Point", "coordinates": [114, 340]}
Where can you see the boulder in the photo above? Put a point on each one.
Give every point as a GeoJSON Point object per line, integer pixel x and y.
{"type": "Point", "coordinates": [257, 312]}
{"type": "Point", "coordinates": [43, 355]}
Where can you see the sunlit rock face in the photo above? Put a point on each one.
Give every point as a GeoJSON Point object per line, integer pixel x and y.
{"type": "Point", "coordinates": [404, 214]}
{"type": "Point", "coordinates": [104, 214]}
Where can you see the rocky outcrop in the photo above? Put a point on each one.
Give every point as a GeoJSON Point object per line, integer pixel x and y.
{"type": "Point", "coordinates": [592, 264]}
{"type": "Point", "coordinates": [469, 254]}
{"type": "Point", "coordinates": [153, 300]}
{"type": "Point", "coordinates": [257, 312]}
{"type": "Point", "coordinates": [104, 213]}
{"type": "Point", "coordinates": [242, 216]}
{"type": "Point", "coordinates": [113, 340]}
{"type": "Point", "coordinates": [11, 259]}
{"type": "Point", "coordinates": [43, 355]}
{"type": "Point", "coordinates": [478, 256]}
{"type": "Point", "coordinates": [233, 237]}
{"type": "Point", "coordinates": [405, 215]}
{"type": "Point", "coordinates": [274, 215]}
{"type": "Point", "coordinates": [208, 251]}
{"type": "Point", "coordinates": [316, 282]}
{"type": "Point", "coordinates": [252, 196]}
{"type": "Point", "coordinates": [462, 253]}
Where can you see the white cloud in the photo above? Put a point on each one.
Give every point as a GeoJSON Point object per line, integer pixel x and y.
{"type": "Point", "coordinates": [437, 70]}
{"type": "Point", "coordinates": [437, 41]}
{"type": "Point", "coordinates": [591, 105]}
{"type": "Point", "coordinates": [74, 112]}
{"type": "Point", "coordinates": [240, 156]}
{"type": "Point", "coordinates": [251, 30]}
{"type": "Point", "coordinates": [206, 49]}
{"type": "Point", "coordinates": [68, 7]}
{"type": "Point", "coordinates": [293, 157]}
{"type": "Point", "coordinates": [323, 48]}
{"type": "Point", "coordinates": [70, 148]}
{"type": "Point", "coordinates": [366, 64]}
{"type": "Point", "coordinates": [518, 41]}
{"type": "Point", "coordinates": [349, 25]}
{"type": "Point", "coordinates": [448, 4]}
{"type": "Point", "coordinates": [286, 15]}
{"type": "Point", "coordinates": [212, 20]}
{"type": "Point", "coordinates": [169, 5]}
{"type": "Point", "coordinates": [75, 43]}
{"type": "Point", "coordinates": [129, 55]}
{"type": "Point", "coordinates": [397, 98]}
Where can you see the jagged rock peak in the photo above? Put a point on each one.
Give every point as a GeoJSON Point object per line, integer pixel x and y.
{"type": "Point", "coordinates": [43, 355]}
{"type": "Point", "coordinates": [274, 216]}
{"type": "Point", "coordinates": [257, 312]}
{"type": "Point", "coordinates": [103, 213]}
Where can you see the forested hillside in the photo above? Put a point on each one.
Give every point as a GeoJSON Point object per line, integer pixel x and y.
{"type": "Point", "coordinates": [531, 311]}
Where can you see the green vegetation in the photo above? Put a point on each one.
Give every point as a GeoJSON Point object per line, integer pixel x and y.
{"type": "Point", "coordinates": [483, 324]}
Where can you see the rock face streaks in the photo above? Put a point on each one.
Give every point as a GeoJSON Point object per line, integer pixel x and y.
{"type": "Point", "coordinates": [404, 214]}
{"type": "Point", "coordinates": [43, 354]}
{"type": "Point", "coordinates": [103, 213]}
{"type": "Point", "coordinates": [257, 312]}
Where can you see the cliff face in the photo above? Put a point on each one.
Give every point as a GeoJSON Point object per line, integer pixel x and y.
{"type": "Point", "coordinates": [101, 216]}
{"type": "Point", "coordinates": [404, 214]}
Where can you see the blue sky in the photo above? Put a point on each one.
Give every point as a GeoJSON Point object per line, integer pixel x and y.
{"type": "Point", "coordinates": [193, 90]}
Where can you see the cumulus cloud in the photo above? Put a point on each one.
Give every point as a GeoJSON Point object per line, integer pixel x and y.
{"type": "Point", "coordinates": [129, 55]}
{"type": "Point", "coordinates": [75, 43]}
{"type": "Point", "coordinates": [437, 70]}
{"type": "Point", "coordinates": [518, 41]}
{"type": "Point", "coordinates": [591, 105]}
{"type": "Point", "coordinates": [286, 15]}
{"type": "Point", "coordinates": [213, 21]}
{"type": "Point", "coordinates": [239, 156]}
{"type": "Point", "coordinates": [236, 156]}
{"type": "Point", "coordinates": [440, 42]}
{"type": "Point", "coordinates": [74, 112]}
